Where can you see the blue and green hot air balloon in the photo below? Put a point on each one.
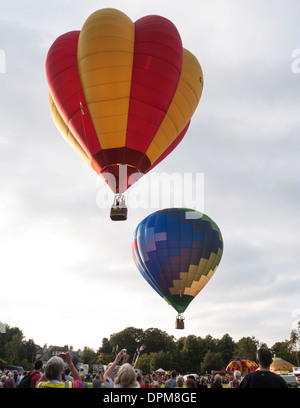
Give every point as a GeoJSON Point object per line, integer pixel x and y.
{"type": "Point", "coordinates": [177, 251]}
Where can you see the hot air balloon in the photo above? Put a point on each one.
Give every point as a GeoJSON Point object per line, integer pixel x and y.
{"type": "Point", "coordinates": [244, 366]}
{"type": "Point", "coordinates": [122, 93]}
{"type": "Point", "coordinates": [177, 251]}
{"type": "Point", "coordinates": [281, 366]}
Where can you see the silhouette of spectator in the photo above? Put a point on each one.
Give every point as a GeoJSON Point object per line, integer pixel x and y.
{"type": "Point", "coordinates": [263, 377]}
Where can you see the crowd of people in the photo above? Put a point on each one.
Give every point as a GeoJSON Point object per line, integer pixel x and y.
{"type": "Point", "coordinates": [61, 373]}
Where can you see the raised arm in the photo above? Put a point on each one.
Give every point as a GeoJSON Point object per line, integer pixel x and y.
{"type": "Point", "coordinates": [111, 368]}
{"type": "Point", "coordinates": [75, 373]}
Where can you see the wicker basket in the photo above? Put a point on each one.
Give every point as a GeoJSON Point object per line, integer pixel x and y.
{"type": "Point", "coordinates": [179, 324]}
{"type": "Point", "coordinates": [118, 213]}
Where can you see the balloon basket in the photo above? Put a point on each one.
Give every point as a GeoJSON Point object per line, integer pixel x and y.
{"type": "Point", "coordinates": [118, 211]}
{"type": "Point", "coordinates": [179, 324]}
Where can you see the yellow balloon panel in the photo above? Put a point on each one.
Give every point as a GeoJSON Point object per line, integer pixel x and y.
{"type": "Point", "coordinates": [105, 57]}
{"type": "Point", "coordinates": [182, 107]}
{"type": "Point", "coordinates": [65, 131]}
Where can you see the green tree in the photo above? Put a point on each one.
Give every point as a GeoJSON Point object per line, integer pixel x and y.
{"type": "Point", "coordinates": [246, 348]}
{"type": "Point", "coordinates": [106, 347]}
{"type": "Point", "coordinates": [226, 347]}
{"type": "Point", "coordinates": [13, 348]}
{"type": "Point", "coordinates": [162, 360]}
{"type": "Point", "coordinates": [212, 361]}
{"type": "Point", "coordinates": [191, 354]}
{"type": "Point", "coordinates": [155, 340]}
{"type": "Point", "coordinates": [25, 364]}
{"type": "Point", "coordinates": [129, 338]}
{"type": "Point", "coordinates": [179, 344]}
{"type": "Point", "coordinates": [211, 343]}
{"type": "Point", "coordinates": [295, 343]}
{"type": "Point", "coordinates": [103, 358]}
{"type": "Point", "coordinates": [282, 349]}
{"type": "Point", "coordinates": [29, 350]}
{"type": "Point", "coordinates": [143, 363]}
{"type": "Point", "coordinates": [88, 355]}
{"type": "Point", "coordinates": [10, 343]}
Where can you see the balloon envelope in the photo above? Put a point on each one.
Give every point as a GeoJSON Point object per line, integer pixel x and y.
{"type": "Point", "coordinates": [244, 366]}
{"type": "Point", "coordinates": [177, 251]}
{"type": "Point", "coordinates": [278, 364]}
{"type": "Point", "coordinates": [123, 93]}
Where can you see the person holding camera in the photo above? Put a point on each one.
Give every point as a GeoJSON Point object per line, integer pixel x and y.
{"type": "Point", "coordinates": [125, 376]}
{"type": "Point", "coordinates": [54, 370]}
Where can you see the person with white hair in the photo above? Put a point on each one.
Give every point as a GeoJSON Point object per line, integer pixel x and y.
{"type": "Point", "coordinates": [54, 371]}
{"type": "Point", "coordinates": [180, 382]}
{"type": "Point", "coordinates": [125, 377]}
{"type": "Point", "coordinates": [237, 378]}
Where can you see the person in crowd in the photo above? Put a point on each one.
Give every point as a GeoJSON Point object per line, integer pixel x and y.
{"type": "Point", "coordinates": [17, 377]}
{"type": "Point", "coordinates": [235, 383]}
{"type": "Point", "coordinates": [68, 377]}
{"type": "Point", "coordinates": [2, 380]}
{"type": "Point", "coordinates": [97, 381]}
{"type": "Point", "coordinates": [160, 382]}
{"type": "Point", "coordinates": [171, 383]}
{"type": "Point", "coordinates": [146, 383]}
{"type": "Point", "coordinates": [139, 378]}
{"type": "Point", "coordinates": [54, 370]}
{"type": "Point", "coordinates": [190, 383]}
{"type": "Point", "coordinates": [22, 375]}
{"type": "Point", "coordinates": [113, 368]}
{"type": "Point", "coordinates": [202, 382]}
{"type": "Point", "coordinates": [154, 380]}
{"type": "Point", "coordinates": [237, 378]}
{"type": "Point", "coordinates": [125, 377]}
{"type": "Point", "coordinates": [217, 382]}
{"type": "Point", "coordinates": [180, 382]}
{"type": "Point", "coordinates": [84, 383]}
{"type": "Point", "coordinates": [10, 382]}
{"type": "Point", "coordinates": [36, 373]}
{"type": "Point", "coordinates": [263, 377]}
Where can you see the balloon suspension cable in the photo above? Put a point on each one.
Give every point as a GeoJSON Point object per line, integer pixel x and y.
{"type": "Point", "coordinates": [83, 125]}
{"type": "Point", "coordinates": [119, 200]}
{"type": "Point", "coordinates": [180, 318]}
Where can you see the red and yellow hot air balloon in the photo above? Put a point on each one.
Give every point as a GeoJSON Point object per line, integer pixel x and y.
{"type": "Point", "coordinates": [244, 366]}
{"type": "Point", "coordinates": [123, 93]}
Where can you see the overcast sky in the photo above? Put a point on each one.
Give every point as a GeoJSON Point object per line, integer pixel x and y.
{"type": "Point", "coordinates": [67, 272]}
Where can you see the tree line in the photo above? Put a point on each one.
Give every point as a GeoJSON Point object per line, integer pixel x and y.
{"type": "Point", "coordinates": [191, 353]}
{"type": "Point", "coordinates": [159, 350]}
